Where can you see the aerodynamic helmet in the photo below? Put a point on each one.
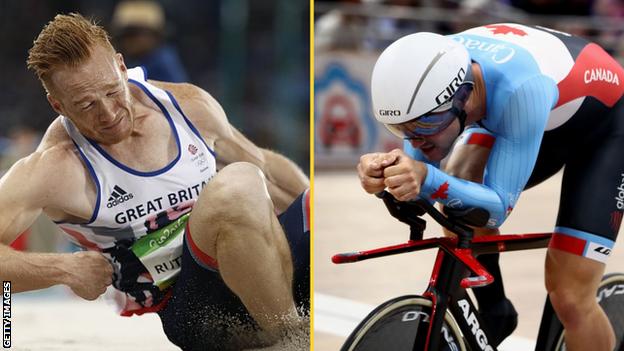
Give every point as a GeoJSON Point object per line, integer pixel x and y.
{"type": "Point", "coordinates": [415, 79]}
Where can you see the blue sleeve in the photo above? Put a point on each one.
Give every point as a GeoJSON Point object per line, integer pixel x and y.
{"type": "Point", "coordinates": [519, 130]}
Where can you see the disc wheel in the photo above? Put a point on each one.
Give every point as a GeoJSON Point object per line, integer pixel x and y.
{"type": "Point", "coordinates": [401, 324]}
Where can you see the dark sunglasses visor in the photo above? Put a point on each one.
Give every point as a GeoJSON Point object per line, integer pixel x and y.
{"type": "Point", "coordinates": [426, 125]}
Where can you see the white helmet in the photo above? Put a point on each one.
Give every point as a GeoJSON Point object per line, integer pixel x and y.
{"type": "Point", "coordinates": [416, 75]}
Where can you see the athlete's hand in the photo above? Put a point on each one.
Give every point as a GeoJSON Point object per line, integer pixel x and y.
{"type": "Point", "coordinates": [88, 274]}
{"type": "Point", "coordinates": [405, 176]}
{"type": "Point", "coordinates": [371, 170]}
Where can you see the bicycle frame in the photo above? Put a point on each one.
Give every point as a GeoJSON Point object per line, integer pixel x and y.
{"type": "Point", "coordinates": [448, 278]}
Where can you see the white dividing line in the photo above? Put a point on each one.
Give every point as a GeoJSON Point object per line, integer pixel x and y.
{"type": "Point", "coordinates": [339, 316]}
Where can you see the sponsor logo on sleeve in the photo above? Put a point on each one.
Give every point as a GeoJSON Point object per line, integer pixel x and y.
{"type": "Point", "coordinates": [500, 53]}
{"type": "Point", "coordinates": [455, 203]}
{"type": "Point", "coordinates": [601, 75]}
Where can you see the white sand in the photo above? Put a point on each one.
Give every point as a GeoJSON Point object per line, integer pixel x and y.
{"type": "Point", "coordinates": [55, 320]}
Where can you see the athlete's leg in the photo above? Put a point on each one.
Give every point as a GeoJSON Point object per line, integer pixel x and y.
{"type": "Point", "coordinates": [204, 314]}
{"type": "Point", "coordinates": [233, 222]}
{"type": "Point", "coordinates": [587, 226]}
{"type": "Point", "coordinates": [572, 282]}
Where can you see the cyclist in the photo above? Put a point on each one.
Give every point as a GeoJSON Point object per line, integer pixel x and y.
{"type": "Point", "coordinates": [176, 207]}
{"type": "Point", "coordinates": [511, 105]}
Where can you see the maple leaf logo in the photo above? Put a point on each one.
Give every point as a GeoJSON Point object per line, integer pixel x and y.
{"type": "Point", "coordinates": [504, 29]}
{"type": "Point", "coordinates": [442, 192]}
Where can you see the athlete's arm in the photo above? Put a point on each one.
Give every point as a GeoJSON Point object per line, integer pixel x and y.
{"type": "Point", "coordinates": [513, 156]}
{"type": "Point", "coordinates": [285, 180]}
{"type": "Point", "coordinates": [468, 161]}
{"type": "Point", "coordinates": [25, 191]}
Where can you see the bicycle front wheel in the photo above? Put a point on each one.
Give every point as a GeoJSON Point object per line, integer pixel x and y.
{"type": "Point", "coordinates": [610, 296]}
{"type": "Point", "coordinates": [401, 324]}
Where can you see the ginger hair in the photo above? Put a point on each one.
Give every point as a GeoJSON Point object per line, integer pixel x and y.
{"type": "Point", "coordinates": [66, 41]}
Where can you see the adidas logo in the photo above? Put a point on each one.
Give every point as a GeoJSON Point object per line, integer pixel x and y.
{"type": "Point", "coordinates": [118, 196]}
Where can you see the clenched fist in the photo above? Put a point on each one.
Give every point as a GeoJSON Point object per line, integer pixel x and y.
{"type": "Point", "coordinates": [88, 274]}
{"type": "Point", "coordinates": [371, 171]}
{"type": "Point", "coordinates": [402, 175]}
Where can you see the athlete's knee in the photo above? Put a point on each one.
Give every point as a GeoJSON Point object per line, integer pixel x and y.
{"type": "Point", "coordinates": [240, 180]}
{"type": "Point", "coordinates": [235, 189]}
{"type": "Point", "coordinates": [572, 306]}
{"type": "Point", "coordinates": [236, 198]}
{"type": "Point", "coordinates": [572, 292]}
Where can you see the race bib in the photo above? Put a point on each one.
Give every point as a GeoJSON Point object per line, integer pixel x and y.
{"type": "Point", "coordinates": [161, 252]}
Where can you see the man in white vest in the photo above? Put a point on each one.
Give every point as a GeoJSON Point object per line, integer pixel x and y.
{"type": "Point", "coordinates": [176, 208]}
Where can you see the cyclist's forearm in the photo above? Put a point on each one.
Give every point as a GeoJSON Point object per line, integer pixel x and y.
{"type": "Point", "coordinates": [31, 271]}
{"type": "Point", "coordinates": [452, 191]}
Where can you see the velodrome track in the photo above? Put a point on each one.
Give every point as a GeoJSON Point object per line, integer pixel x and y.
{"type": "Point", "coordinates": [348, 219]}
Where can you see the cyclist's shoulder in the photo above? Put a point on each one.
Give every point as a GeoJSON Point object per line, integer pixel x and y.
{"type": "Point", "coordinates": [516, 49]}
{"type": "Point", "coordinates": [494, 37]}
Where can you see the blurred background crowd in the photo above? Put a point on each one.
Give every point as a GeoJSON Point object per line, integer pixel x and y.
{"type": "Point", "coordinates": [350, 34]}
{"type": "Point", "coordinates": [252, 56]}
{"type": "Point", "coordinates": [373, 24]}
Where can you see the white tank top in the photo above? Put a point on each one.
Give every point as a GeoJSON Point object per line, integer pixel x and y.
{"type": "Point", "coordinates": [140, 217]}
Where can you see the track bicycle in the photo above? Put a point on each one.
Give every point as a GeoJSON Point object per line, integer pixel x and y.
{"type": "Point", "coordinates": [444, 317]}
